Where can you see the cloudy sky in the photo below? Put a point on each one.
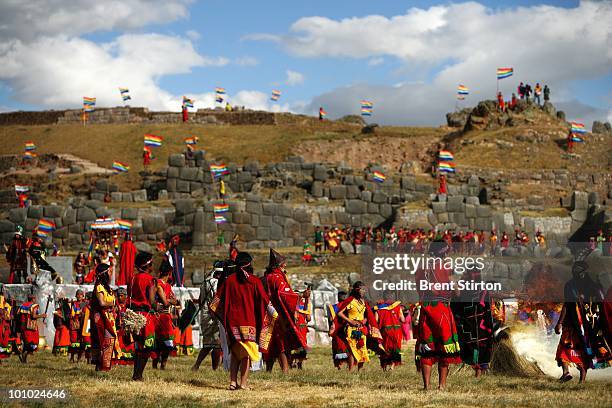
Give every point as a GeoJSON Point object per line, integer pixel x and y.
{"type": "Point", "coordinates": [407, 57]}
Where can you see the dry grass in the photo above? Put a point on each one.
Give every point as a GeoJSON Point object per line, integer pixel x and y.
{"type": "Point", "coordinates": [548, 212]}
{"type": "Point", "coordinates": [319, 384]}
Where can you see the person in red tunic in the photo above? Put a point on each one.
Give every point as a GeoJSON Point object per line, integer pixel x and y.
{"type": "Point", "coordinates": [76, 329]}
{"type": "Point", "coordinates": [243, 307]}
{"type": "Point", "coordinates": [340, 349]}
{"type": "Point", "coordinates": [127, 254]}
{"type": "Point", "coordinates": [124, 338]}
{"type": "Point", "coordinates": [147, 156]}
{"type": "Point", "coordinates": [164, 329]}
{"type": "Point", "coordinates": [390, 317]}
{"type": "Point", "coordinates": [28, 326]}
{"type": "Point", "coordinates": [61, 340]}
{"type": "Point", "coordinates": [437, 339]}
{"type": "Point", "coordinates": [302, 318]}
{"type": "Point", "coordinates": [185, 113]}
{"type": "Point", "coordinates": [103, 316]}
{"type": "Point", "coordinates": [442, 188]}
{"type": "Point", "coordinates": [286, 336]}
{"type": "Point", "coordinates": [500, 102]}
{"type": "Point", "coordinates": [23, 200]}
{"type": "Point", "coordinates": [17, 258]}
{"type": "Point", "coordinates": [141, 298]}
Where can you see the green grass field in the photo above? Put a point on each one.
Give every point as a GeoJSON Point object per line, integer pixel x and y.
{"type": "Point", "coordinates": [319, 384]}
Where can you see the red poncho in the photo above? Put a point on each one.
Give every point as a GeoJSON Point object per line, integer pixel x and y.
{"type": "Point", "coordinates": [287, 335]}
{"type": "Point", "coordinates": [127, 254]}
{"type": "Point", "coordinates": [245, 311]}
{"type": "Point", "coordinates": [390, 325]}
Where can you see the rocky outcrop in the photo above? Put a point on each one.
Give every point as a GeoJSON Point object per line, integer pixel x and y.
{"type": "Point", "coordinates": [458, 119]}
{"type": "Point", "coordinates": [603, 128]}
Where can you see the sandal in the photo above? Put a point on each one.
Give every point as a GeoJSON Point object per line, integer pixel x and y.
{"type": "Point", "coordinates": [233, 387]}
{"type": "Point", "coordinates": [565, 378]}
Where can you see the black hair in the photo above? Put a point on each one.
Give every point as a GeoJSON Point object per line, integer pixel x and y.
{"type": "Point", "coordinates": [355, 290]}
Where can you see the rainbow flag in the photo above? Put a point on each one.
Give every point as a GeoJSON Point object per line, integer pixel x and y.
{"type": "Point", "coordinates": [87, 101]}
{"type": "Point", "coordinates": [125, 94]}
{"type": "Point", "coordinates": [220, 208]}
{"type": "Point", "coordinates": [378, 177]}
{"type": "Point", "coordinates": [121, 167]}
{"type": "Point", "coordinates": [366, 108]}
{"type": "Point", "coordinates": [463, 90]}
{"type": "Point", "coordinates": [218, 169]}
{"type": "Point", "coordinates": [577, 139]}
{"type": "Point", "coordinates": [29, 155]}
{"type": "Point", "coordinates": [219, 99]}
{"type": "Point", "coordinates": [446, 167]}
{"type": "Point", "coordinates": [322, 113]}
{"type": "Point", "coordinates": [191, 140]}
{"type": "Point", "coordinates": [504, 72]}
{"type": "Point", "coordinates": [152, 140]}
{"type": "Point", "coordinates": [445, 155]}
{"type": "Point", "coordinates": [219, 219]}
{"type": "Point", "coordinates": [188, 102]}
{"type": "Point", "coordinates": [21, 189]}
{"type": "Point", "coordinates": [29, 146]}
{"type": "Point", "coordinates": [220, 91]}
{"type": "Point", "coordinates": [124, 225]}
{"type": "Point", "coordinates": [275, 95]}
{"type": "Point", "coordinates": [46, 225]}
{"type": "Point", "coordinates": [577, 127]}
{"type": "Point", "coordinates": [42, 233]}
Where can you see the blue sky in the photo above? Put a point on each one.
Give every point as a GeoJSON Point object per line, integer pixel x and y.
{"type": "Point", "coordinates": [409, 71]}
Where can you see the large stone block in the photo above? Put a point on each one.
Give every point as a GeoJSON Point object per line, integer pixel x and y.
{"type": "Point", "coordinates": [366, 196]}
{"type": "Point", "coordinates": [254, 207]}
{"type": "Point", "coordinates": [86, 214]}
{"type": "Point", "coordinates": [301, 215]}
{"type": "Point", "coordinates": [53, 211]}
{"type": "Point", "coordinates": [269, 208]}
{"type": "Point", "coordinates": [355, 206]}
{"type": "Point", "coordinates": [320, 172]}
{"type": "Point", "coordinates": [153, 224]}
{"type": "Point", "coordinates": [102, 212]}
{"type": "Point", "coordinates": [173, 172]}
{"type": "Point", "coordinates": [386, 210]}
{"type": "Point", "coordinates": [408, 183]}
{"type": "Point", "coordinates": [171, 185]}
{"type": "Point", "coordinates": [373, 208]}
{"type": "Point", "coordinates": [352, 191]}
{"type": "Point", "coordinates": [35, 211]}
{"type": "Point", "coordinates": [263, 233]}
{"type": "Point", "coordinates": [129, 213]}
{"type": "Point", "coordinates": [580, 200]}
{"type": "Point", "coordinates": [454, 204]}
{"type": "Point", "coordinates": [6, 226]}
{"type": "Point", "coordinates": [379, 197]}
{"type": "Point", "coordinates": [316, 190]}
{"type": "Point", "coordinates": [18, 215]}
{"type": "Point", "coordinates": [472, 200]}
{"type": "Point", "coordinates": [276, 232]}
{"type": "Point", "coordinates": [292, 229]}
{"type": "Point", "coordinates": [483, 211]}
{"type": "Point", "coordinates": [182, 186]}
{"type": "Point", "coordinates": [184, 207]}
{"type": "Point", "coordinates": [470, 211]}
{"type": "Point", "coordinates": [139, 196]}
{"type": "Point", "coordinates": [337, 192]}
{"type": "Point", "coordinates": [438, 207]}
{"type": "Point", "coordinates": [116, 197]}
{"type": "Point", "coordinates": [176, 160]}
{"type": "Point", "coordinates": [189, 173]}
{"type": "Point", "coordinates": [327, 218]}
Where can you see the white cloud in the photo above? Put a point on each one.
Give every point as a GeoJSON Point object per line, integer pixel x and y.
{"type": "Point", "coordinates": [246, 61]}
{"type": "Point", "coordinates": [250, 99]}
{"type": "Point", "coordinates": [294, 78]}
{"type": "Point", "coordinates": [542, 43]}
{"type": "Point", "coordinates": [57, 72]}
{"type": "Point", "coordinates": [193, 35]}
{"type": "Point", "coordinates": [27, 20]}
{"type": "Point", "coordinates": [376, 61]}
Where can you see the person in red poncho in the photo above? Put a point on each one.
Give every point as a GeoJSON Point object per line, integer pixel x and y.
{"type": "Point", "coordinates": [248, 317]}
{"type": "Point", "coordinates": [103, 328]}
{"type": "Point", "coordinates": [286, 336]}
{"type": "Point", "coordinates": [340, 349]}
{"type": "Point", "coordinates": [442, 187]}
{"type": "Point", "coordinates": [28, 326]}
{"type": "Point", "coordinates": [355, 325]}
{"type": "Point", "coordinates": [127, 255]}
{"type": "Point", "coordinates": [164, 329]}
{"type": "Point", "coordinates": [436, 334]}
{"type": "Point", "coordinates": [390, 317]}
{"type": "Point", "coordinates": [141, 299]}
